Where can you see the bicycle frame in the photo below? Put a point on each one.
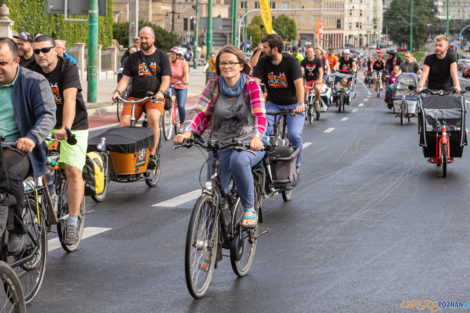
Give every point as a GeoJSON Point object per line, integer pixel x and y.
{"type": "Point", "coordinates": [441, 139]}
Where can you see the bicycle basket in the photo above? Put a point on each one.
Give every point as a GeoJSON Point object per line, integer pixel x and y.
{"type": "Point", "coordinates": [283, 161]}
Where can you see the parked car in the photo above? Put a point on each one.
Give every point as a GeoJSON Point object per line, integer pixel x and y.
{"type": "Point", "coordinates": [460, 63]}
{"type": "Point", "coordinates": [466, 71]}
{"type": "Point", "coordinates": [401, 49]}
{"type": "Point", "coordinates": [464, 67]}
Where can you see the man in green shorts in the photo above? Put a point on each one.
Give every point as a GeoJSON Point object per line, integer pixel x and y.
{"type": "Point", "coordinates": [71, 112]}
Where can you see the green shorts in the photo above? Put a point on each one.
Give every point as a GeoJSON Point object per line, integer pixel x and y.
{"type": "Point", "coordinates": [74, 155]}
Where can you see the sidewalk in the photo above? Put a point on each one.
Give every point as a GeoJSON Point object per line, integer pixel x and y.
{"type": "Point", "coordinates": [103, 106]}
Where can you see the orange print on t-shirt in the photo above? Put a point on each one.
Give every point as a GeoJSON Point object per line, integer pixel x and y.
{"type": "Point", "coordinates": [143, 70]}
{"type": "Point", "coordinates": [277, 81]}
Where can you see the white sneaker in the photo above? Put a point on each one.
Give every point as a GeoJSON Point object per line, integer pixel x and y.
{"type": "Point", "coordinates": [324, 108]}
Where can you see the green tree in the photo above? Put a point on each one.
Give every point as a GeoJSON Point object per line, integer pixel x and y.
{"type": "Point", "coordinates": [256, 30]}
{"type": "Point", "coordinates": [285, 26]}
{"type": "Point", "coordinates": [397, 20]}
{"type": "Point", "coordinates": [163, 38]}
{"type": "Point", "coordinates": [31, 16]}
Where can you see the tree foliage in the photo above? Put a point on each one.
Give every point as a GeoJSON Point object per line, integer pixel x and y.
{"type": "Point", "coordinates": [163, 38]}
{"type": "Point", "coordinates": [397, 20]}
{"type": "Point", "coordinates": [31, 16]}
{"type": "Point", "coordinates": [282, 25]}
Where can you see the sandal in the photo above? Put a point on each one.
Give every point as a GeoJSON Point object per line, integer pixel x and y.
{"type": "Point", "coordinates": [206, 261]}
{"type": "Point", "coordinates": [252, 217]}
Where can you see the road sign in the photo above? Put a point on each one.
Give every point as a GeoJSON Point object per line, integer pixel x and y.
{"type": "Point", "coordinates": [74, 7]}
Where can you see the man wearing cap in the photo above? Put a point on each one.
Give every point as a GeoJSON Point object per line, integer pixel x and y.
{"type": "Point", "coordinates": [346, 63]}
{"type": "Point", "coordinates": [393, 60]}
{"type": "Point", "coordinates": [296, 53]}
{"type": "Point", "coordinates": [24, 41]}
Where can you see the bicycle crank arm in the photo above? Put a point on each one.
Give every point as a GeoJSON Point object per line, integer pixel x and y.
{"type": "Point", "coordinates": [263, 233]}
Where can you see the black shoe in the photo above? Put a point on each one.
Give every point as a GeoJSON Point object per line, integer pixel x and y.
{"type": "Point", "coordinates": [152, 164]}
{"type": "Point", "coordinates": [16, 243]}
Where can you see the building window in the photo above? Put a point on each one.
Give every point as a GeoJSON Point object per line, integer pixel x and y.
{"type": "Point", "coordinates": [273, 5]}
{"type": "Point", "coordinates": [357, 24]}
{"type": "Point", "coordinates": [285, 5]}
{"type": "Point", "coordinates": [360, 13]}
{"type": "Point", "coordinates": [243, 4]}
{"type": "Point", "coordinates": [185, 24]}
{"type": "Point", "coordinates": [338, 23]}
{"type": "Point", "coordinates": [256, 5]}
{"type": "Point", "coordinates": [192, 25]}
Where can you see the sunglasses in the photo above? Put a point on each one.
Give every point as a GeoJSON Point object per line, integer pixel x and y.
{"type": "Point", "coordinates": [43, 50]}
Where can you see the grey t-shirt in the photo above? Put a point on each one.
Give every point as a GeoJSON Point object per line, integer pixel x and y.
{"type": "Point", "coordinates": [233, 119]}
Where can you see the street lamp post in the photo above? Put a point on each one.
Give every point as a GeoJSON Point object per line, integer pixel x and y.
{"type": "Point", "coordinates": [234, 22]}
{"type": "Point", "coordinates": [411, 27]}
{"type": "Point", "coordinates": [195, 35]}
{"type": "Point", "coordinates": [209, 28]}
{"type": "Point", "coordinates": [447, 20]}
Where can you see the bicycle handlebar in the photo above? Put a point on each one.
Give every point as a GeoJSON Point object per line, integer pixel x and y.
{"type": "Point", "coordinates": [71, 140]}
{"type": "Point", "coordinates": [441, 92]}
{"type": "Point", "coordinates": [179, 83]}
{"type": "Point", "coordinates": [135, 101]}
{"type": "Point", "coordinates": [214, 144]}
{"type": "Point", "coordinates": [284, 112]}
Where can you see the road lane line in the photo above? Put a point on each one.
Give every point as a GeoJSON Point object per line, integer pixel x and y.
{"type": "Point", "coordinates": [104, 126]}
{"type": "Point", "coordinates": [344, 119]}
{"type": "Point", "coordinates": [179, 200]}
{"type": "Point", "coordinates": [329, 130]}
{"type": "Point", "coordinates": [361, 104]}
{"type": "Point", "coordinates": [365, 100]}
{"type": "Point", "coordinates": [365, 87]}
{"type": "Point", "coordinates": [354, 110]}
{"type": "Point", "coordinates": [306, 144]}
{"type": "Point", "coordinates": [88, 232]}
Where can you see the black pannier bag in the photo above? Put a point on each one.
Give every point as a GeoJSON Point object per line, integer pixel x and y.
{"type": "Point", "coordinates": [282, 162]}
{"type": "Point", "coordinates": [437, 111]}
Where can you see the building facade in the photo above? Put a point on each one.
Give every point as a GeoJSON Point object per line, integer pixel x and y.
{"type": "Point", "coordinates": [458, 9]}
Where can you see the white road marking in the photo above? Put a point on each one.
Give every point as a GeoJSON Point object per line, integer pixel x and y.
{"type": "Point", "coordinates": [88, 232]}
{"type": "Point", "coordinates": [365, 100]}
{"type": "Point", "coordinates": [306, 144]}
{"type": "Point", "coordinates": [365, 87]}
{"type": "Point", "coordinates": [179, 200]}
{"type": "Point", "coordinates": [354, 110]}
{"type": "Point", "coordinates": [104, 126]}
{"type": "Point", "coordinates": [361, 104]}
{"type": "Point", "coordinates": [345, 119]}
{"type": "Point", "coordinates": [329, 130]}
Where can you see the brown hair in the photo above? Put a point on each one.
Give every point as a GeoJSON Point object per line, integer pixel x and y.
{"type": "Point", "coordinates": [274, 41]}
{"type": "Point", "coordinates": [236, 52]}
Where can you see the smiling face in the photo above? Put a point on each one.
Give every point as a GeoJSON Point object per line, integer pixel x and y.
{"type": "Point", "coordinates": [8, 65]}
{"type": "Point", "coordinates": [146, 38]}
{"type": "Point", "coordinates": [441, 47]}
{"type": "Point", "coordinates": [230, 66]}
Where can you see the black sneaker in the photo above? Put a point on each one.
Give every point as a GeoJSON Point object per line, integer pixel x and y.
{"type": "Point", "coordinates": [152, 164]}
{"type": "Point", "coordinates": [16, 243]}
{"type": "Point", "coordinates": [71, 237]}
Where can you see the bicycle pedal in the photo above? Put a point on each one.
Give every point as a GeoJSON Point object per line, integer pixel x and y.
{"type": "Point", "coordinates": [226, 255]}
{"type": "Point", "coordinates": [263, 233]}
{"type": "Point", "coordinates": [89, 212]}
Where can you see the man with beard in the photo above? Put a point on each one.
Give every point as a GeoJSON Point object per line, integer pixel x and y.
{"type": "Point", "coordinates": [282, 76]}
{"type": "Point", "coordinates": [150, 70]}
{"type": "Point", "coordinates": [24, 41]}
{"type": "Point", "coordinates": [440, 68]}
{"type": "Point", "coordinates": [346, 63]}
{"type": "Point", "coordinates": [312, 68]}
{"type": "Point", "coordinates": [71, 113]}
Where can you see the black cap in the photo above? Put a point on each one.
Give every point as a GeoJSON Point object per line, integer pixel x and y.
{"type": "Point", "coordinates": [25, 36]}
{"type": "Point", "coordinates": [295, 49]}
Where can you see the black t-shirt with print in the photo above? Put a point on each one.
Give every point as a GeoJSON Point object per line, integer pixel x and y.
{"type": "Point", "coordinates": [439, 71]}
{"type": "Point", "coordinates": [279, 79]}
{"type": "Point", "coordinates": [147, 71]}
{"type": "Point", "coordinates": [343, 63]}
{"type": "Point", "coordinates": [311, 68]}
{"type": "Point", "coordinates": [65, 76]}
{"type": "Point", "coordinates": [378, 65]}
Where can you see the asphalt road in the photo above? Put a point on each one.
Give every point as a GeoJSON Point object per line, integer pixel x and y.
{"type": "Point", "coordinates": [372, 224]}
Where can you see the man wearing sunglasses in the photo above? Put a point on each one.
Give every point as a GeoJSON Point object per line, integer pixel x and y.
{"type": "Point", "coordinates": [24, 41]}
{"type": "Point", "coordinates": [71, 113]}
{"type": "Point", "coordinates": [27, 113]}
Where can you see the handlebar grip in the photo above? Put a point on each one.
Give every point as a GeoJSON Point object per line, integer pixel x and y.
{"type": "Point", "coordinates": [71, 140]}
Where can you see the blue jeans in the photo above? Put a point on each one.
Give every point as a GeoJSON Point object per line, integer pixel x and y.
{"type": "Point", "coordinates": [295, 124]}
{"type": "Point", "coordinates": [181, 95]}
{"type": "Point", "coordinates": [238, 164]}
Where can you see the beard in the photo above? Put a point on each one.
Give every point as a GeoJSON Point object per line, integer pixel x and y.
{"type": "Point", "coordinates": [268, 57]}
{"type": "Point", "coordinates": [146, 46]}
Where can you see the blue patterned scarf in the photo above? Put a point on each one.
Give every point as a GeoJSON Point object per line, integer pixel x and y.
{"type": "Point", "coordinates": [236, 90]}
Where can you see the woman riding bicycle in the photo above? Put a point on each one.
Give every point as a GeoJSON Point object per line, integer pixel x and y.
{"type": "Point", "coordinates": [179, 72]}
{"type": "Point", "coordinates": [232, 107]}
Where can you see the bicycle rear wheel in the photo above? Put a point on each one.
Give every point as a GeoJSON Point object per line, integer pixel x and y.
{"type": "Point", "coordinates": [11, 298]}
{"type": "Point", "coordinates": [167, 127]}
{"type": "Point", "coordinates": [444, 160]}
{"type": "Point", "coordinates": [30, 264]}
{"type": "Point", "coordinates": [153, 175]}
{"type": "Point", "coordinates": [202, 235]}
{"type": "Point", "coordinates": [243, 246]}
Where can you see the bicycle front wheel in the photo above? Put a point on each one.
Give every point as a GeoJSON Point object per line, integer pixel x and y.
{"type": "Point", "coordinates": [444, 160]}
{"type": "Point", "coordinates": [63, 214]}
{"type": "Point", "coordinates": [12, 298]}
{"type": "Point", "coordinates": [243, 247]}
{"type": "Point", "coordinates": [201, 241]}
{"type": "Point", "coordinates": [119, 107]}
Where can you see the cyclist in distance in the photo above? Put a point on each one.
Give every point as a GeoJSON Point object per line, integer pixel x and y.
{"type": "Point", "coordinates": [312, 68]}
{"type": "Point", "coordinates": [65, 84]}
{"type": "Point", "coordinates": [410, 65]}
{"type": "Point", "coordinates": [377, 68]}
{"type": "Point", "coordinates": [150, 70]}
{"type": "Point", "coordinates": [332, 59]}
{"type": "Point", "coordinates": [393, 60]}
{"type": "Point", "coordinates": [232, 107]}
{"type": "Point", "coordinates": [27, 115]}
{"type": "Point", "coordinates": [440, 68]}
{"type": "Point", "coordinates": [25, 41]}
{"type": "Point", "coordinates": [346, 63]}
{"type": "Point", "coordinates": [179, 72]}
{"type": "Point", "coordinates": [211, 66]}
{"type": "Point", "coordinates": [282, 76]}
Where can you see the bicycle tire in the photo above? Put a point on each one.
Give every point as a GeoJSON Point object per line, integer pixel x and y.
{"type": "Point", "coordinates": [154, 177]}
{"type": "Point", "coordinates": [119, 107]}
{"type": "Point", "coordinates": [444, 160]}
{"type": "Point", "coordinates": [13, 299]}
{"type": "Point", "coordinates": [242, 252]}
{"type": "Point", "coordinates": [204, 222]}
{"type": "Point", "coordinates": [167, 126]}
{"type": "Point", "coordinates": [287, 195]}
{"type": "Point", "coordinates": [31, 273]}
{"type": "Point", "coordinates": [340, 103]}
{"type": "Point", "coordinates": [101, 196]}
{"type": "Point", "coordinates": [310, 114]}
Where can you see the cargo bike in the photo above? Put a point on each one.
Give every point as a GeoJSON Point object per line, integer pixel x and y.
{"type": "Point", "coordinates": [122, 154]}
{"type": "Point", "coordinates": [442, 126]}
{"type": "Point", "coordinates": [404, 97]}
{"type": "Point", "coordinates": [340, 98]}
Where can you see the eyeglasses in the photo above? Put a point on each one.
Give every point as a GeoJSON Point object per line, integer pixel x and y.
{"type": "Point", "coordinates": [43, 50]}
{"type": "Point", "coordinates": [228, 64]}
